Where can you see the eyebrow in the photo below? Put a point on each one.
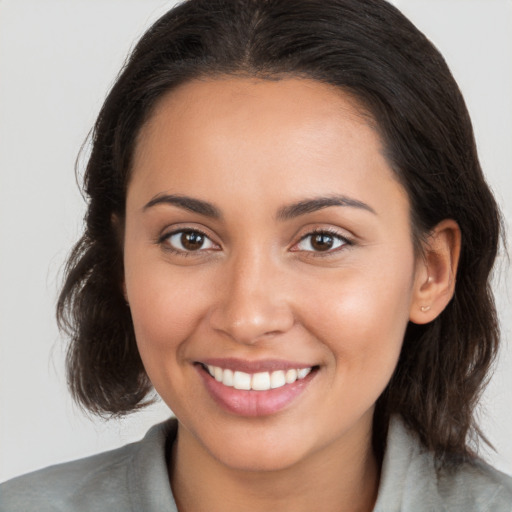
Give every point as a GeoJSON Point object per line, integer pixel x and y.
{"type": "Point", "coordinates": [187, 203]}
{"type": "Point", "coordinates": [318, 203]}
{"type": "Point", "coordinates": [285, 213]}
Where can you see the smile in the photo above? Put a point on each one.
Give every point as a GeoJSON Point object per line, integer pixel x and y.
{"type": "Point", "coordinates": [261, 381]}
{"type": "Point", "coordinates": [255, 388]}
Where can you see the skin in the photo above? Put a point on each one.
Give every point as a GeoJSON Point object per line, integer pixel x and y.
{"type": "Point", "coordinates": [257, 289]}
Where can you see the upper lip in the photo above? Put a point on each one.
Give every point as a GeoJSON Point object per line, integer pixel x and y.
{"type": "Point", "coordinates": [243, 365]}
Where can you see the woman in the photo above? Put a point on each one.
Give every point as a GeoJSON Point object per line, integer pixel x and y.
{"type": "Point", "coordinates": [290, 238]}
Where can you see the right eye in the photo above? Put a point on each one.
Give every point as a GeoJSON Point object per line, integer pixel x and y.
{"type": "Point", "coordinates": [188, 240]}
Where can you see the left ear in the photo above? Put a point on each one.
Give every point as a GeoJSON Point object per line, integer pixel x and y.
{"type": "Point", "coordinates": [435, 273]}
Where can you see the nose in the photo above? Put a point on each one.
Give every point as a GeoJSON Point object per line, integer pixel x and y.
{"type": "Point", "coordinates": [253, 303]}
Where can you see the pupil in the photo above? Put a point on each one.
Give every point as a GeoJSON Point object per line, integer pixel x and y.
{"type": "Point", "coordinates": [322, 242]}
{"type": "Point", "coordinates": [192, 240]}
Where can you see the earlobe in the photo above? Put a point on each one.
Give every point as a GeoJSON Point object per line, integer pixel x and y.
{"type": "Point", "coordinates": [436, 272]}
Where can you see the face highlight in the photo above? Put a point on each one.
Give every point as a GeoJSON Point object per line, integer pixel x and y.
{"type": "Point", "coordinates": [269, 268]}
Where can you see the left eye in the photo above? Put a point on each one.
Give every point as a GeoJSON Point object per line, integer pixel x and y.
{"type": "Point", "coordinates": [189, 241]}
{"type": "Point", "coordinates": [321, 241]}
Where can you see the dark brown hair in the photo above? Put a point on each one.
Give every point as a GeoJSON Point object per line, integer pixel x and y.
{"type": "Point", "coordinates": [370, 50]}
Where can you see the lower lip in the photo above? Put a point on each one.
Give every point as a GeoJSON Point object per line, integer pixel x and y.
{"type": "Point", "coordinates": [253, 403]}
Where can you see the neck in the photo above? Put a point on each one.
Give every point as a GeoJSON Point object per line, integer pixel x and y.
{"type": "Point", "coordinates": [341, 478]}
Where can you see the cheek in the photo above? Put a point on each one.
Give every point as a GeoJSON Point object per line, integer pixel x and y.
{"type": "Point", "coordinates": [166, 310]}
{"type": "Point", "coordinates": [362, 318]}
{"type": "Point", "coordinates": [165, 307]}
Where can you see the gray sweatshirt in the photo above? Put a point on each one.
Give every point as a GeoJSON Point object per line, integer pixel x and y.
{"type": "Point", "coordinates": [134, 478]}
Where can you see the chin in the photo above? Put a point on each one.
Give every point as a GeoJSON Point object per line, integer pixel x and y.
{"type": "Point", "coordinates": [256, 448]}
{"type": "Point", "coordinates": [257, 459]}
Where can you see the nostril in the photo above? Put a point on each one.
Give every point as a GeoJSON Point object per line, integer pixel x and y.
{"type": "Point", "coordinates": [252, 321]}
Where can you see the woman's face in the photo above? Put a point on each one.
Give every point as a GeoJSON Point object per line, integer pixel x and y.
{"type": "Point", "coordinates": [265, 234]}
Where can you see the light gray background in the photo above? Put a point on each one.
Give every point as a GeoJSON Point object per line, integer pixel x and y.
{"type": "Point", "coordinates": [57, 61]}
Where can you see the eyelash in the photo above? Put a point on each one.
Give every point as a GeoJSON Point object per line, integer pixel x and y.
{"type": "Point", "coordinates": [346, 242]}
{"type": "Point", "coordinates": [164, 241]}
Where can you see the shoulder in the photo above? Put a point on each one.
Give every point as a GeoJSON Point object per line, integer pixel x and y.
{"type": "Point", "coordinates": [56, 487]}
{"type": "Point", "coordinates": [475, 486]}
{"type": "Point", "coordinates": [411, 480]}
{"type": "Point", "coordinates": [100, 482]}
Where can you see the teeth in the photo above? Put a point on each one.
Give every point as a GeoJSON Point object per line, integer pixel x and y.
{"type": "Point", "coordinates": [228, 378]}
{"type": "Point", "coordinates": [303, 372]}
{"type": "Point", "coordinates": [261, 381]}
{"type": "Point", "coordinates": [291, 376]}
{"type": "Point", "coordinates": [277, 379]}
{"type": "Point", "coordinates": [241, 380]}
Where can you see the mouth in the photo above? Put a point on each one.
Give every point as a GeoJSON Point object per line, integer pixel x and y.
{"type": "Point", "coordinates": [260, 381]}
{"type": "Point", "coordinates": [254, 389]}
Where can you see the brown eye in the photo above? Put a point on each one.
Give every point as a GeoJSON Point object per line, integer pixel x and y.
{"type": "Point", "coordinates": [189, 241]}
{"type": "Point", "coordinates": [322, 241]}
{"type": "Point", "coordinates": [192, 240]}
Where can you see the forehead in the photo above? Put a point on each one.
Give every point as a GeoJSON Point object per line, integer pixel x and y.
{"type": "Point", "coordinates": [275, 138]}
{"type": "Point", "coordinates": [198, 104]}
